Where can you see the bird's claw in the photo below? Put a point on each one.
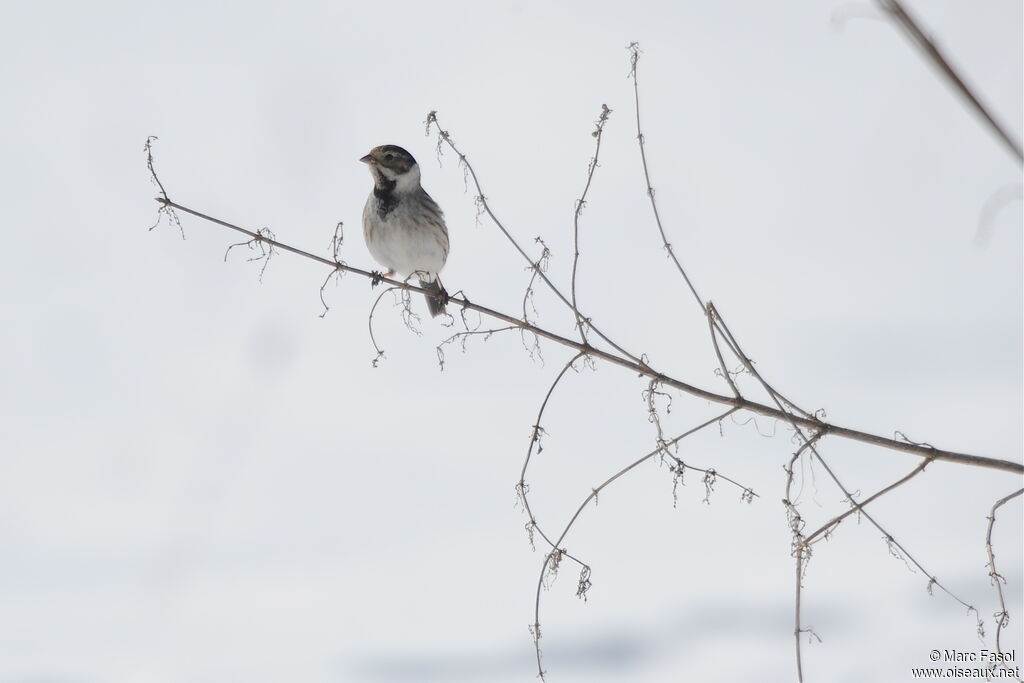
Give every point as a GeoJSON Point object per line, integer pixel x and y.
{"type": "Point", "coordinates": [379, 276]}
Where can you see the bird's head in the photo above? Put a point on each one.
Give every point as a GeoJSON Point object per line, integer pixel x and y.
{"type": "Point", "coordinates": [390, 164]}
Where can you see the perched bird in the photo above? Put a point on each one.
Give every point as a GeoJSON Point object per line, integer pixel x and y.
{"type": "Point", "coordinates": [403, 227]}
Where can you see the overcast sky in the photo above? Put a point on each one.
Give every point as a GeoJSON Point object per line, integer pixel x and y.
{"type": "Point", "coordinates": [204, 480]}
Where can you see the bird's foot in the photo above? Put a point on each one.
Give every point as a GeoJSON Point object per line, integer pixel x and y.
{"type": "Point", "coordinates": [378, 276]}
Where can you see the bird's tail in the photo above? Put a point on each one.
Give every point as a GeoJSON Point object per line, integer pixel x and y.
{"type": "Point", "coordinates": [437, 297]}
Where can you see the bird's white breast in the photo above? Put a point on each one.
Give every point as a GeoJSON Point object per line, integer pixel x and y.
{"type": "Point", "coordinates": [407, 239]}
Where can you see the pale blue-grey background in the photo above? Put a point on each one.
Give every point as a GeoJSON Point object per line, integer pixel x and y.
{"type": "Point", "coordinates": [201, 480]}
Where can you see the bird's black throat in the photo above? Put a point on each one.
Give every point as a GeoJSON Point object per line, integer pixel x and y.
{"type": "Point", "coordinates": [384, 191]}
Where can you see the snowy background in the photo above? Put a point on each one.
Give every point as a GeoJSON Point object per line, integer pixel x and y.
{"type": "Point", "coordinates": [202, 480]}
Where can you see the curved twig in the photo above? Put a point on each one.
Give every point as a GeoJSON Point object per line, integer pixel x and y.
{"type": "Point", "coordinates": [580, 203]}
{"type": "Point", "coordinates": [1002, 617]}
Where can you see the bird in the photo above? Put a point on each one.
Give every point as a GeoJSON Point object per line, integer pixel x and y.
{"type": "Point", "coordinates": [403, 226]}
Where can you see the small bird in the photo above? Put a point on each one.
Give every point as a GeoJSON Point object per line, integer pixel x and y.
{"type": "Point", "coordinates": [403, 227]}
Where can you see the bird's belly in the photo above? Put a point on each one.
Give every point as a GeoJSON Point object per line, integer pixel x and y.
{"type": "Point", "coordinates": [406, 249]}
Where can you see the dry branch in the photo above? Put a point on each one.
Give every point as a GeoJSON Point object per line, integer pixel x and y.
{"type": "Point", "coordinates": [931, 50]}
{"type": "Point", "coordinates": [637, 366]}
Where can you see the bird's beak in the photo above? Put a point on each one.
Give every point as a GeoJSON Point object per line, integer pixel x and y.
{"type": "Point", "coordinates": [367, 159]}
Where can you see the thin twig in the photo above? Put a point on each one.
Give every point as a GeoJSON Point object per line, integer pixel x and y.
{"type": "Point", "coordinates": [558, 553]}
{"type": "Point", "coordinates": [523, 490]}
{"type": "Point", "coordinates": [712, 315]}
{"type": "Point", "coordinates": [148, 149]}
{"type": "Point", "coordinates": [903, 554]}
{"type": "Point", "coordinates": [369, 323]}
{"type": "Point", "coordinates": [913, 28]}
{"type": "Point", "coordinates": [537, 268]}
{"type": "Point", "coordinates": [799, 548]}
{"type": "Point", "coordinates": [463, 338]}
{"type": "Point", "coordinates": [634, 52]}
{"type": "Point", "coordinates": [155, 179]}
{"type": "Point", "coordinates": [650, 394]}
{"type": "Point", "coordinates": [445, 138]}
{"type": "Point", "coordinates": [826, 529]}
{"type": "Point", "coordinates": [580, 203]}
{"type": "Point", "coordinates": [748, 364]}
{"type": "Point", "coordinates": [1002, 617]}
{"type": "Point", "coordinates": [537, 432]}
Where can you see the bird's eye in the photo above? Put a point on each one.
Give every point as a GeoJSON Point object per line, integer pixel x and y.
{"type": "Point", "coordinates": [389, 157]}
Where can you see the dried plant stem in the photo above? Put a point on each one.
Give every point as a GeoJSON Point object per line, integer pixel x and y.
{"type": "Point", "coordinates": [638, 366]}
{"type": "Point", "coordinates": [826, 529]}
{"type": "Point", "coordinates": [580, 203]}
{"type": "Point", "coordinates": [1002, 616]}
{"type": "Point", "coordinates": [713, 330]}
{"type": "Point", "coordinates": [634, 49]}
{"type": "Point", "coordinates": [557, 554]}
{"type": "Point", "coordinates": [536, 433]}
{"type": "Point", "coordinates": [799, 548]}
{"type": "Point", "coordinates": [445, 138]}
{"type": "Point", "coordinates": [913, 28]}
